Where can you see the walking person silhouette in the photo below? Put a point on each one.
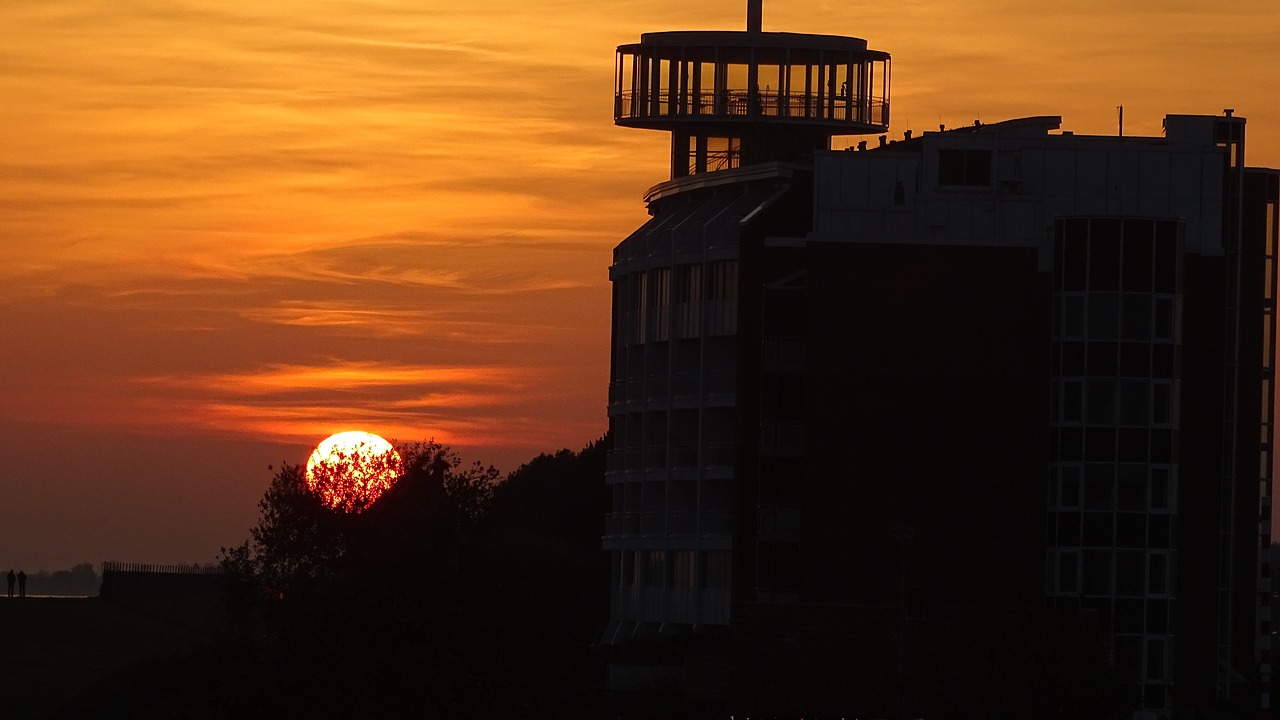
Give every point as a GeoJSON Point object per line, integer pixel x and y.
{"type": "Point", "coordinates": [22, 583]}
{"type": "Point", "coordinates": [12, 579]}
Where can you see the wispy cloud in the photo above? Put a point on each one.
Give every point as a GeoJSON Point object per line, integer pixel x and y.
{"type": "Point", "coordinates": [240, 202]}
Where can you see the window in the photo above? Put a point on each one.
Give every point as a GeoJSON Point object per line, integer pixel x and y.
{"type": "Point", "coordinates": [1097, 572]}
{"type": "Point", "coordinates": [722, 294]}
{"type": "Point", "coordinates": [1073, 238]}
{"type": "Point", "coordinates": [1098, 483]}
{"type": "Point", "coordinates": [1162, 403]}
{"type": "Point", "coordinates": [661, 304]}
{"type": "Point", "coordinates": [716, 575]}
{"type": "Point", "coordinates": [1164, 318]}
{"type": "Point", "coordinates": [685, 569]}
{"type": "Point", "coordinates": [1133, 403]}
{"type": "Point", "coordinates": [1104, 321]}
{"type": "Point", "coordinates": [724, 153]}
{"type": "Point", "coordinates": [621, 307]}
{"type": "Point", "coordinates": [1131, 488]}
{"type": "Point", "coordinates": [1137, 317]}
{"type": "Point", "coordinates": [630, 572]}
{"type": "Point", "coordinates": [1104, 254]}
{"type": "Point", "coordinates": [1160, 488]}
{"type": "Point", "coordinates": [1168, 240]}
{"type": "Point", "coordinates": [1130, 573]}
{"type": "Point", "coordinates": [1069, 485]}
{"type": "Point", "coordinates": [1072, 401]}
{"type": "Point", "coordinates": [964, 168]}
{"type": "Point", "coordinates": [1068, 572]}
{"type": "Point", "coordinates": [1138, 238]}
{"type": "Point", "coordinates": [1155, 659]}
{"type": "Point", "coordinates": [1072, 317]}
{"type": "Point", "coordinates": [1051, 572]}
{"type": "Point", "coordinates": [687, 299]}
{"type": "Point", "coordinates": [1158, 573]}
{"type": "Point", "coordinates": [1102, 402]}
{"type": "Point", "coordinates": [638, 306]}
{"type": "Point", "coordinates": [631, 497]}
{"type": "Point", "coordinates": [655, 571]}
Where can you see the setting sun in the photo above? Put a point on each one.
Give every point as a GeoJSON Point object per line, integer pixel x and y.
{"type": "Point", "coordinates": [351, 470]}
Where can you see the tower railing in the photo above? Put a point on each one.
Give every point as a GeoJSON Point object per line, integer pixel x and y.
{"type": "Point", "coordinates": [858, 109]}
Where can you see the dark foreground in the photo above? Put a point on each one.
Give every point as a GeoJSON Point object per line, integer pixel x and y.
{"type": "Point", "coordinates": [76, 657]}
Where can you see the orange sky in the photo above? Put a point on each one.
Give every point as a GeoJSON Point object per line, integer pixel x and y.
{"type": "Point", "coordinates": [231, 228]}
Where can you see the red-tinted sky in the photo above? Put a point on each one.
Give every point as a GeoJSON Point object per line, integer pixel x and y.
{"type": "Point", "coordinates": [229, 229]}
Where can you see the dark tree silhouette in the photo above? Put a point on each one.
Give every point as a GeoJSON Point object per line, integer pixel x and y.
{"type": "Point", "coordinates": [299, 541]}
{"type": "Point", "coordinates": [452, 595]}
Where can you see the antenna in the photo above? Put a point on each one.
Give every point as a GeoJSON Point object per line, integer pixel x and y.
{"type": "Point", "coordinates": [1121, 109]}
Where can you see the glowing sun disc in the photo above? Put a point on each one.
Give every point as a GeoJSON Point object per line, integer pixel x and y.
{"type": "Point", "coordinates": [350, 470]}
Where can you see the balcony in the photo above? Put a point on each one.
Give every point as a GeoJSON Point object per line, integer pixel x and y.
{"type": "Point", "coordinates": [833, 84]}
{"type": "Point", "coordinates": [741, 104]}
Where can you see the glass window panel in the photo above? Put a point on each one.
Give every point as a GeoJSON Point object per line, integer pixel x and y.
{"type": "Point", "coordinates": [1100, 444]}
{"type": "Point", "coordinates": [1128, 615]}
{"type": "Point", "coordinates": [1157, 616]}
{"type": "Point", "coordinates": [1099, 481]}
{"type": "Point", "coordinates": [1166, 256]}
{"type": "Point", "coordinates": [1073, 358]}
{"type": "Point", "coordinates": [1159, 488]}
{"type": "Point", "coordinates": [1131, 486]}
{"type": "Point", "coordinates": [971, 168]}
{"type": "Point", "coordinates": [1128, 655]}
{"type": "Point", "coordinates": [1137, 255]}
{"type": "Point", "coordinates": [716, 569]}
{"type": "Point", "coordinates": [1163, 325]}
{"type": "Point", "coordinates": [1068, 572]}
{"type": "Point", "coordinates": [630, 568]}
{"type": "Point", "coordinates": [1072, 400]}
{"type": "Point", "coordinates": [1158, 574]}
{"type": "Point", "coordinates": [1073, 316]}
{"type": "Point", "coordinates": [1070, 443]}
{"type": "Point", "coordinates": [1075, 248]}
{"type": "Point", "coordinates": [1104, 320]}
{"type": "Point", "coordinates": [1133, 403]}
{"type": "Point", "coordinates": [1096, 572]}
{"type": "Point", "coordinates": [1101, 406]}
{"type": "Point", "coordinates": [1070, 486]}
{"type": "Point", "coordinates": [1098, 529]}
{"type": "Point", "coordinates": [1155, 659]}
{"type": "Point", "coordinates": [1104, 255]}
{"type": "Point", "coordinates": [1069, 528]}
{"type": "Point", "coordinates": [1135, 359]}
{"type": "Point", "coordinates": [1162, 360]}
{"type": "Point", "coordinates": [1131, 530]}
{"type": "Point", "coordinates": [1103, 359]}
{"type": "Point", "coordinates": [1161, 403]}
{"type": "Point", "coordinates": [1130, 573]}
{"type": "Point", "coordinates": [1137, 317]}
{"type": "Point", "coordinates": [1134, 444]}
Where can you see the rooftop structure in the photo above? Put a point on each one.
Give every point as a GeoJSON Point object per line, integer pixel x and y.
{"type": "Point", "coordinates": [739, 98]}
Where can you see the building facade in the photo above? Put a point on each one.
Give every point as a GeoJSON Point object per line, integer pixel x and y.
{"type": "Point", "coordinates": [871, 408]}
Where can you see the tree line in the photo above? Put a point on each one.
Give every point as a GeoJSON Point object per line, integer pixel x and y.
{"type": "Point", "coordinates": [457, 594]}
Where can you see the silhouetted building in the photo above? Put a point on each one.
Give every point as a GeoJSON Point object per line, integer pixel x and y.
{"type": "Point", "coordinates": [872, 406]}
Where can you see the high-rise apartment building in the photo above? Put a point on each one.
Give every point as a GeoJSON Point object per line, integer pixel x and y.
{"type": "Point", "coordinates": [875, 411]}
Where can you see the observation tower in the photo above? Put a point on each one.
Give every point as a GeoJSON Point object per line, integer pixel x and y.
{"type": "Point", "coordinates": [747, 111]}
{"type": "Point", "coordinates": [741, 98]}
